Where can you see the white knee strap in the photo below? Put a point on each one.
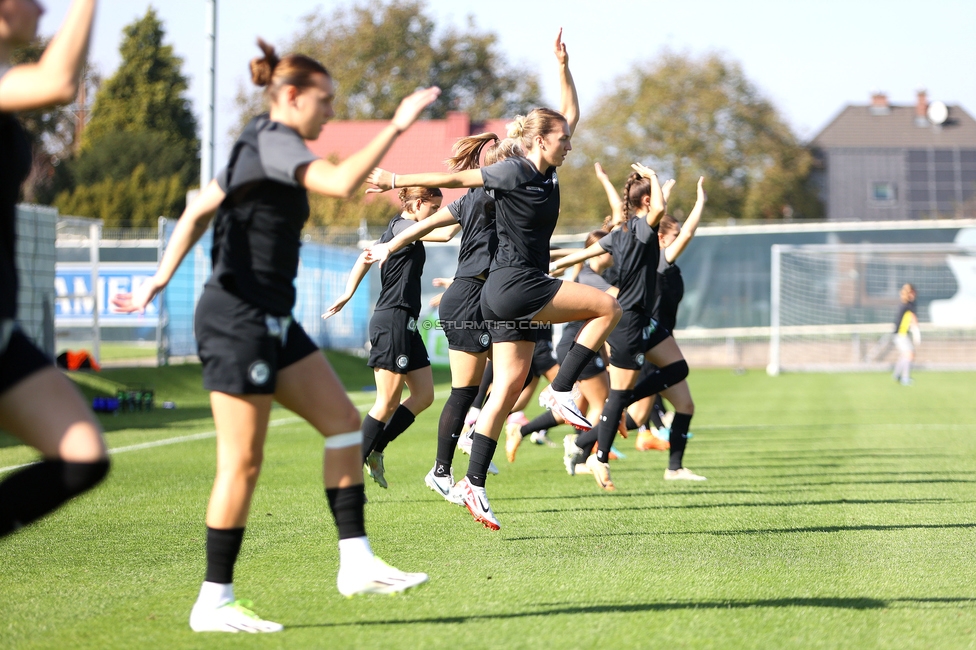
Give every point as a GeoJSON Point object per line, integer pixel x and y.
{"type": "Point", "coordinates": [344, 440]}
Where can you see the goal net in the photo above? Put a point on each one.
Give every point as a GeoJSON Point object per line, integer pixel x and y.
{"type": "Point", "coordinates": [833, 306]}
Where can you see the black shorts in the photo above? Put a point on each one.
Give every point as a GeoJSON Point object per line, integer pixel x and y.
{"type": "Point", "coordinates": [596, 365]}
{"type": "Point", "coordinates": [460, 316]}
{"type": "Point", "coordinates": [243, 347]}
{"type": "Point", "coordinates": [543, 357]}
{"type": "Point", "coordinates": [19, 360]}
{"type": "Point", "coordinates": [635, 334]}
{"type": "Point", "coordinates": [395, 343]}
{"type": "Point", "coordinates": [512, 297]}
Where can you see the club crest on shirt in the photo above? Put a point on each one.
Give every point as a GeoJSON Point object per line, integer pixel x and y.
{"type": "Point", "coordinates": [402, 361]}
{"type": "Point", "coordinates": [412, 324]}
{"type": "Point", "coordinates": [259, 373]}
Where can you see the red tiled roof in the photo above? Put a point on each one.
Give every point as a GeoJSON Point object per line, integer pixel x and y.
{"type": "Point", "coordinates": [422, 148]}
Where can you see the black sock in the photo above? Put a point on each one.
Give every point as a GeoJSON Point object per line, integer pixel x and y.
{"type": "Point", "coordinates": [486, 379]}
{"type": "Point", "coordinates": [660, 379]}
{"type": "Point", "coordinates": [482, 450]}
{"type": "Point", "coordinates": [572, 367]}
{"type": "Point", "coordinates": [372, 428]}
{"type": "Point", "coordinates": [545, 421]}
{"type": "Point", "coordinates": [402, 418]}
{"type": "Point", "coordinates": [609, 420]}
{"type": "Point", "coordinates": [223, 545]}
{"type": "Point", "coordinates": [347, 504]}
{"type": "Point", "coordinates": [631, 424]}
{"type": "Point", "coordinates": [450, 425]}
{"type": "Point", "coordinates": [39, 489]}
{"type": "Point", "coordinates": [587, 439]}
{"type": "Point", "coordinates": [655, 415]}
{"type": "Point", "coordinates": [679, 439]}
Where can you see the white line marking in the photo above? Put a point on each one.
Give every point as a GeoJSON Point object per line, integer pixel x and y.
{"type": "Point", "coordinates": [202, 436]}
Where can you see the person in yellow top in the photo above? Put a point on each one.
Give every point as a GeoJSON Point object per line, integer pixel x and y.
{"type": "Point", "coordinates": [907, 335]}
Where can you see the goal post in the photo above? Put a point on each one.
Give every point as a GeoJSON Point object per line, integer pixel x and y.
{"type": "Point", "coordinates": [833, 306]}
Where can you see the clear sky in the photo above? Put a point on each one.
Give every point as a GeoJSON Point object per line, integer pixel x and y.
{"type": "Point", "coordinates": [810, 57]}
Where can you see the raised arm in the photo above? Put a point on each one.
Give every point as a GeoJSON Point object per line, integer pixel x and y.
{"type": "Point", "coordinates": [569, 100]}
{"type": "Point", "coordinates": [380, 252]}
{"type": "Point", "coordinates": [55, 77]}
{"type": "Point", "coordinates": [673, 252]}
{"type": "Point", "coordinates": [384, 181]}
{"type": "Point", "coordinates": [656, 209]}
{"type": "Point", "coordinates": [343, 179]}
{"type": "Point", "coordinates": [359, 270]}
{"type": "Point", "coordinates": [613, 197]}
{"type": "Point", "coordinates": [189, 229]}
{"type": "Point", "coordinates": [575, 258]}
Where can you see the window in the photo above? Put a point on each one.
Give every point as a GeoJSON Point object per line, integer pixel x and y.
{"type": "Point", "coordinates": [883, 191]}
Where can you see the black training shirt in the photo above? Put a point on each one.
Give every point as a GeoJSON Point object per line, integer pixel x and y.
{"type": "Point", "coordinates": [400, 274]}
{"type": "Point", "coordinates": [635, 249]}
{"type": "Point", "coordinates": [475, 211]}
{"type": "Point", "coordinates": [258, 226]}
{"type": "Point", "coordinates": [15, 164]}
{"type": "Point", "coordinates": [670, 291]}
{"type": "Point", "coordinates": [526, 209]}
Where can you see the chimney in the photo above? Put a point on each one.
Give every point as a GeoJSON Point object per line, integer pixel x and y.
{"type": "Point", "coordinates": [921, 109]}
{"type": "Point", "coordinates": [879, 103]}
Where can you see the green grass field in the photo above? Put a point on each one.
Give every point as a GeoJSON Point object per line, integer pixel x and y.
{"type": "Point", "coordinates": [840, 511]}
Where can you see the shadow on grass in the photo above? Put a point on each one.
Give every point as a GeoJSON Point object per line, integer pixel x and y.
{"type": "Point", "coordinates": [860, 604]}
{"type": "Point", "coordinates": [756, 531]}
{"type": "Point", "coordinates": [766, 504]}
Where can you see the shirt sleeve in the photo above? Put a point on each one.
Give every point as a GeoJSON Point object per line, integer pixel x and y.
{"type": "Point", "coordinates": [402, 225]}
{"type": "Point", "coordinates": [642, 230]}
{"type": "Point", "coordinates": [282, 152]}
{"type": "Point", "coordinates": [506, 175]}
{"type": "Point", "coordinates": [456, 208]}
{"type": "Point", "coordinates": [607, 242]}
{"type": "Point", "coordinates": [663, 265]}
{"type": "Point", "coordinates": [223, 179]}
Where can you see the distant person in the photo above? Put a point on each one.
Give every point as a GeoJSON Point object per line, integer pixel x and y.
{"type": "Point", "coordinates": [253, 352]}
{"type": "Point", "coordinates": [397, 353]}
{"type": "Point", "coordinates": [38, 404]}
{"type": "Point", "coordinates": [907, 335]}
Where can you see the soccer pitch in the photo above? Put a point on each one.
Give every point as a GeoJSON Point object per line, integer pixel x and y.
{"type": "Point", "coordinates": [840, 511]}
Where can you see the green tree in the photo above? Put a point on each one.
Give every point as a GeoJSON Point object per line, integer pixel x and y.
{"type": "Point", "coordinates": [378, 52]}
{"type": "Point", "coordinates": [691, 117]}
{"type": "Point", "coordinates": [141, 137]}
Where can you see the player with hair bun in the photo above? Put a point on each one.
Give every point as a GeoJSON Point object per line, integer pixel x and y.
{"type": "Point", "coordinates": [397, 352]}
{"type": "Point", "coordinates": [460, 306]}
{"type": "Point", "coordinates": [253, 351]}
{"type": "Point", "coordinates": [519, 295]}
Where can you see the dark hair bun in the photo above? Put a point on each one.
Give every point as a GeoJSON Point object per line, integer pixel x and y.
{"type": "Point", "coordinates": [262, 69]}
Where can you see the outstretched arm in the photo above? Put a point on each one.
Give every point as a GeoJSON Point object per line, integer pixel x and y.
{"type": "Point", "coordinates": [356, 276]}
{"type": "Point", "coordinates": [569, 100]}
{"type": "Point", "coordinates": [342, 180]}
{"type": "Point", "coordinates": [616, 204]}
{"type": "Point", "coordinates": [673, 252]}
{"type": "Point", "coordinates": [189, 229]}
{"type": "Point", "coordinates": [55, 77]}
{"type": "Point", "coordinates": [384, 181]}
{"type": "Point", "coordinates": [575, 258]}
{"type": "Point", "coordinates": [380, 252]}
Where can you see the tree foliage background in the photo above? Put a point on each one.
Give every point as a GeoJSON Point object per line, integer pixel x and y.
{"type": "Point", "coordinates": [689, 117]}
{"type": "Point", "coordinates": [139, 151]}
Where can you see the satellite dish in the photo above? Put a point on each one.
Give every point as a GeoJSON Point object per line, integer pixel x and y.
{"type": "Point", "coordinates": [938, 112]}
